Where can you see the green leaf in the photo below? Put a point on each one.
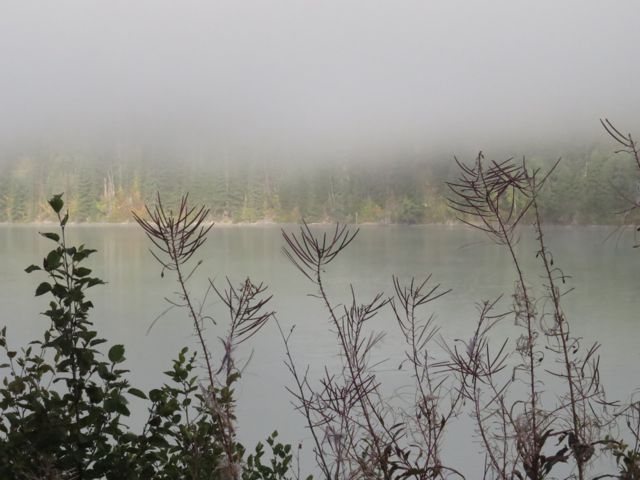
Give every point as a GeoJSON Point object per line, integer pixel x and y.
{"type": "Point", "coordinates": [81, 271]}
{"type": "Point", "coordinates": [43, 288]}
{"type": "Point", "coordinates": [56, 203]}
{"type": "Point", "coordinates": [93, 282]}
{"type": "Point", "coordinates": [51, 236]}
{"type": "Point", "coordinates": [104, 373]}
{"type": "Point", "coordinates": [59, 290]}
{"type": "Point", "coordinates": [95, 394]}
{"type": "Point", "coordinates": [116, 353]}
{"type": "Point", "coordinates": [32, 268]}
{"type": "Point", "coordinates": [53, 260]}
{"type": "Point", "coordinates": [76, 295]}
{"type": "Point", "coordinates": [65, 220]}
{"type": "Point", "coordinates": [155, 395]}
{"type": "Point", "coordinates": [129, 437]}
{"type": "Point", "coordinates": [110, 405]}
{"type": "Point", "coordinates": [121, 406]}
{"type": "Point", "coordinates": [137, 393]}
{"type": "Point", "coordinates": [82, 253]}
{"type": "Point", "coordinates": [87, 335]}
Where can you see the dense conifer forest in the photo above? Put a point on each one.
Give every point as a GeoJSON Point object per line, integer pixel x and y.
{"type": "Point", "coordinates": [588, 187]}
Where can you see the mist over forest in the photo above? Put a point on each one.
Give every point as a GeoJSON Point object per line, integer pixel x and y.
{"type": "Point", "coordinates": [328, 111]}
{"type": "Point", "coordinates": [589, 186]}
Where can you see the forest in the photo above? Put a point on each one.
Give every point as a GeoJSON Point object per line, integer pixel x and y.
{"type": "Point", "coordinates": [591, 185]}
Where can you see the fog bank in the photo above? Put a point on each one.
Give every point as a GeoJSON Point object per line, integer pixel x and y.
{"type": "Point", "coordinates": [343, 78]}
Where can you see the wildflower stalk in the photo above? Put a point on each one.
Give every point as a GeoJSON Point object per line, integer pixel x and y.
{"type": "Point", "coordinates": [178, 237]}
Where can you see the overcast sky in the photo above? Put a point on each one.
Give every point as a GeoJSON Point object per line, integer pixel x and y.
{"type": "Point", "coordinates": [323, 75]}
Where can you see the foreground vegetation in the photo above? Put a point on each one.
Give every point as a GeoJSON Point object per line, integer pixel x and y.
{"type": "Point", "coordinates": [64, 398]}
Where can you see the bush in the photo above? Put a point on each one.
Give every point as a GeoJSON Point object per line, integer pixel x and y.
{"type": "Point", "coordinates": [64, 402]}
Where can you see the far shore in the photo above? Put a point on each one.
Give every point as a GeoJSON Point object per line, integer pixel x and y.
{"type": "Point", "coordinates": [270, 223]}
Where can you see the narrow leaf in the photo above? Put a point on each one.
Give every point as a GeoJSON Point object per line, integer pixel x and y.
{"type": "Point", "coordinates": [137, 393]}
{"type": "Point", "coordinates": [51, 236]}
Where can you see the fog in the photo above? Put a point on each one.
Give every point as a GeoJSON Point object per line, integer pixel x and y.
{"type": "Point", "coordinates": [317, 77]}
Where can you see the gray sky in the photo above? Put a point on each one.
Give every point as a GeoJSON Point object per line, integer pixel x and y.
{"type": "Point", "coordinates": [334, 76]}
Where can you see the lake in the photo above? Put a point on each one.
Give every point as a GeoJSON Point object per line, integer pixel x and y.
{"type": "Point", "coordinates": [603, 307]}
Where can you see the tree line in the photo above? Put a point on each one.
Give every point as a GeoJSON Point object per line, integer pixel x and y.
{"type": "Point", "coordinates": [591, 186]}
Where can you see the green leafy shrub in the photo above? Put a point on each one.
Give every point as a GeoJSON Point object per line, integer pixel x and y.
{"type": "Point", "coordinates": [63, 402]}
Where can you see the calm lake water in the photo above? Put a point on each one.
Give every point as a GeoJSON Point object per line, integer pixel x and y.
{"type": "Point", "coordinates": [603, 307]}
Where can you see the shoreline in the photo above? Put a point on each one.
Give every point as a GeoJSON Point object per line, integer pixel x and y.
{"type": "Point", "coordinates": [268, 223]}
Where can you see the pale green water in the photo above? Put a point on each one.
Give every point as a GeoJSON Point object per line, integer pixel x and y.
{"type": "Point", "coordinates": [604, 306]}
